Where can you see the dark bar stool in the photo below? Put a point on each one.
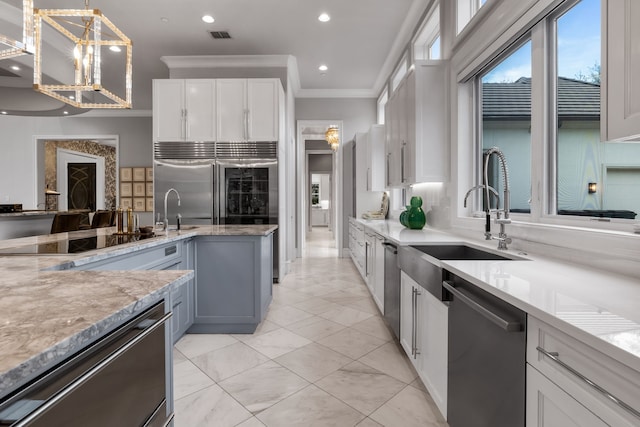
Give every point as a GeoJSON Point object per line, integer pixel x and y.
{"type": "Point", "coordinates": [64, 222]}
{"type": "Point", "coordinates": [103, 219]}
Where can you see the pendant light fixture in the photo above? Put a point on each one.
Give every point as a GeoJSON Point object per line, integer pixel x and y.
{"type": "Point", "coordinates": [88, 31]}
{"type": "Point", "coordinates": [10, 48]}
{"type": "Point", "coordinates": [333, 137]}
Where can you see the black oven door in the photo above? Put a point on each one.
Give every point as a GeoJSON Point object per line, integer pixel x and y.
{"type": "Point", "coordinates": [118, 381]}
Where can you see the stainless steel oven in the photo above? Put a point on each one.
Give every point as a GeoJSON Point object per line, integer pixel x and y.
{"type": "Point", "coordinates": [118, 381]}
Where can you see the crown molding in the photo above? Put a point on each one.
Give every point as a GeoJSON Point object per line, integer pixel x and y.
{"type": "Point", "coordinates": [336, 93]}
{"type": "Point", "coordinates": [294, 75]}
{"type": "Point", "coordinates": [227, 61]}
{"type": "Point", "coordinates": [405, 34]}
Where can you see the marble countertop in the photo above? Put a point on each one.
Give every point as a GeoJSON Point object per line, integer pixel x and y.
{"type": "Point", "coordinates": [47, 314]}
{"type": "Point", "coordinates": [598, 307]}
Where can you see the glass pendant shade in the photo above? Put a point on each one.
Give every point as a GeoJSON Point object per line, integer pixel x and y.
{"type": "Point", "coordinates": [332, 137]}
{"type": "Point", "coordinates": [9, 47]}
{"type": "Point", "coordinates": [85, 32]}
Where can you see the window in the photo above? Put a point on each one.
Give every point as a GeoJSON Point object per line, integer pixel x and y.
{"type": "Point", "coordinates": [466, 10]}
{"type": "Point", "coordinates": [591, 178]}
{"type": "Point", "coordinates": [426, 43]}
{"type": "Point", "coordinates": [505, 122]}
{"type": "Point", "coordinates": [382, 101]}
{"type": "Point", "coordinates": [399, 73]}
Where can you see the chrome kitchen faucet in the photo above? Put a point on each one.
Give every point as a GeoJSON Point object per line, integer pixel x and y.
{"type": "Point", "coordinates": [502, 215]}
{"type": "Point", "coordinates": [166, 218]}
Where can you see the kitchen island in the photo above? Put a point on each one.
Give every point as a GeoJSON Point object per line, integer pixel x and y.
{"type": "Point", "coordinates": [56, 304]}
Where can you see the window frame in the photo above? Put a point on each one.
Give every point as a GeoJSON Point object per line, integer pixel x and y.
{"type": "Point", "coordinates": [381, 102]}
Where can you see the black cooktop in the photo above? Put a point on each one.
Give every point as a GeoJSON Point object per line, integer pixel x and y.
{"type": "Point", "coordinates": [73, 246]}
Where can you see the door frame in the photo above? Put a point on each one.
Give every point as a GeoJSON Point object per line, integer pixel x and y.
{"type": "Point", "coordinates": [63, 158]}
{"type": "Point", "coordinates": [332, 201]}
{"type": "Point", "coordinates": [39, 140]}
{"type": "Point", "coordinates": [301, 191]}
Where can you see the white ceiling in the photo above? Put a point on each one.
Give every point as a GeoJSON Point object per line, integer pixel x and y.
{"type": "Point", "coordinates": [360, 44]}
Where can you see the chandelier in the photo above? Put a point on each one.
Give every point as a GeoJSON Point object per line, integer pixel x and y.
{"type": "Point", "coordinates": [20, 47]}
{"type": "Point", "coordinates": [88, 31]}
{"type": "Point", "coordinates": [333, 137]}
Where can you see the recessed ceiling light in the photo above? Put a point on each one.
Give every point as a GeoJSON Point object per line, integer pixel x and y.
{"type": "Point", "coordinates": [72, 97]}
{"type": "Point", "coordinates": [4, 112]}
{"type": "Point", "coordinates": [323, 68]}
{"type": "Point", "coordinates": [115, 48]}
{"type": "Point", "coordinates": [163, 19]}
{"type": "Point", "coordinates": [324, 17]}
{"type": "Point", "coordinates": [15, 68]}
{"type": "Point", "coordinates": [208, 19]}
{"type": "Point", "coordinates": [65, 112]}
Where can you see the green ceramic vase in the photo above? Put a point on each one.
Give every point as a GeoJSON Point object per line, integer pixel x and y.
{"type": "Point", "coordinates": [415, 218]}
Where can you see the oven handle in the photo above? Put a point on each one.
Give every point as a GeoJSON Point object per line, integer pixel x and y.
{"type": "Point", "coordinates": [507, 325]}
{"type": "Point", "coordinates": [92, 372]}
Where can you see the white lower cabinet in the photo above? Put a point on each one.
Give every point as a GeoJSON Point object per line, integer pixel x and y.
{"type": "Point", "coordinates": [549, 406]}
{"type": "Point", "coordinates": [571, 384]}
{"type": "Point", "coordinates": [424, 337]}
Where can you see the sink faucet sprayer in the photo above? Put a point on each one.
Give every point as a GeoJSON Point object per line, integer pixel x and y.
{"type": "Point", "coordinates": [502, 238]}
{"type": "Point", "coordinates": [166, 219]}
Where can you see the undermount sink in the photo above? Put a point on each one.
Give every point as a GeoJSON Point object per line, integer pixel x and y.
{"type": "Point", "coordinates": [459, 252]}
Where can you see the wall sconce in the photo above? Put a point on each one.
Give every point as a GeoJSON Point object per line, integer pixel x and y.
{"type": "Point", "coordinates": [592, 187]}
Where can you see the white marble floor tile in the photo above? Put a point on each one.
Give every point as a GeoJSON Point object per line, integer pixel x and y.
{"type": "Point", "coordinates": [344, 297]}
{"type": "Point", "coordinates": [361, 386]}
{"type": "Point", "coordinates": [374, 326]}
{"type": "Point", "coordinates": [315, 328]}
{"type": "Point", "coordinates": [264, 327]}
{"type": "Point", "coordinates": [287, 296]}
{"type": "Point", "coordinates": [228, 361]}
{"type": "Point", "coordinates": [313, 361]}
{"type": "Point", "coordinates": [187, 379]}
{"type": "Point", "coordinates": [286, 315]}
{"type": "Point", "coordinates": [178, 357]}
{"type": "Point", "coordinates": [408, 408]}
{"type": "Point", "coordinates": [351, 343]}
{"type": "Point", "coordinates": [192, 345]}
{"type": "Point", "coordinates": [209, 407]}
{"type": "Point", "coordinates": [368, 422]}
{"type": "Point", "coordinates": [417, 383]}
{"type": "Point", "coordinates": [276, 343]}
{"type": "Point", "coordinates": [316, 305]}
{"type": "Point", "coordinates": [366, 305]}
{"type": "Point", "coordinates": [263, 386]}
{"type": "Point", "coordinates": [391, 360]}
{"type": "Point", "coordinates": [345, 316]}
{"type": "Point", "coordinates": [251, 422]}
{"type": "Point", "coordinates": [310, 407]}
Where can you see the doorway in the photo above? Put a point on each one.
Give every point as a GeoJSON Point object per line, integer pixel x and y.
{"type": "Point", "coordinates": [311, 141]}
{"type": "Point", "coordinates": [81, 180]}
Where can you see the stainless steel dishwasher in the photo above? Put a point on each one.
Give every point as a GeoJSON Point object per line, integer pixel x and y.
{"type": "Point", "coordinates": [392, 287]}
{"type": "Point", "coordinates": [487, 350]}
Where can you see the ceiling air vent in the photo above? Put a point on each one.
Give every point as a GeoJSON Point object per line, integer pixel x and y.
{"type": "Point", "coordinates": [220, 34]}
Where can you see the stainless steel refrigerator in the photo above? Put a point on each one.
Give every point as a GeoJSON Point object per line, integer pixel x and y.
{"type": "Point", "coordinates": [236, 183]}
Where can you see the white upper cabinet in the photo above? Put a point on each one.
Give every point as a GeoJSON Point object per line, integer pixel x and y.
{"type": "Point", "coordinates": [248, 109]}
{"type": "Point", "coordinates": [200, 109]}
{"type": "Point", "coordinates": [417, 140]}
{"type": "Point", "coordinates": [184, 110]}
{"type": "Point", "coordinates": [621, 70]}
{"type": "Point", "coordinates": [375, 158]}
{"type": "Point", "coordinates": [263, 100]}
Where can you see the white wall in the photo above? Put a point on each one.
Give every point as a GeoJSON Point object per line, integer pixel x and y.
{"type": "Point", "coordinates": [18, 162]}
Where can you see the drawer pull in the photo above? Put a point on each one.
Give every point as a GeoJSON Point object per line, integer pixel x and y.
{"type": "Point", "coordinates": [555, 357]}
{"type": "Point", "coordinates": [170, 250]}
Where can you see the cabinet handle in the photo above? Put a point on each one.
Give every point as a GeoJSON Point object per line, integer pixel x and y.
{"type": "Point", "coordinates": [388, 167]}
{"type": "Point", "coordinates": [186, 127]}
{"type": "Point", "coordinates": [402, 161]}
{"type": "Point", "coordinates": [366, 259]}
{"type": "Point", "coordinates": [246, 125]}
{"type": "Point", "coordinates": [417, 293]}
{"type": "Point", "coordinates": [555, 357]}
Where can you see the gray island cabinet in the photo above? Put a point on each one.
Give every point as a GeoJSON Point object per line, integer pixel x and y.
{"type": "Point", "coordinates": [234, 277]}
